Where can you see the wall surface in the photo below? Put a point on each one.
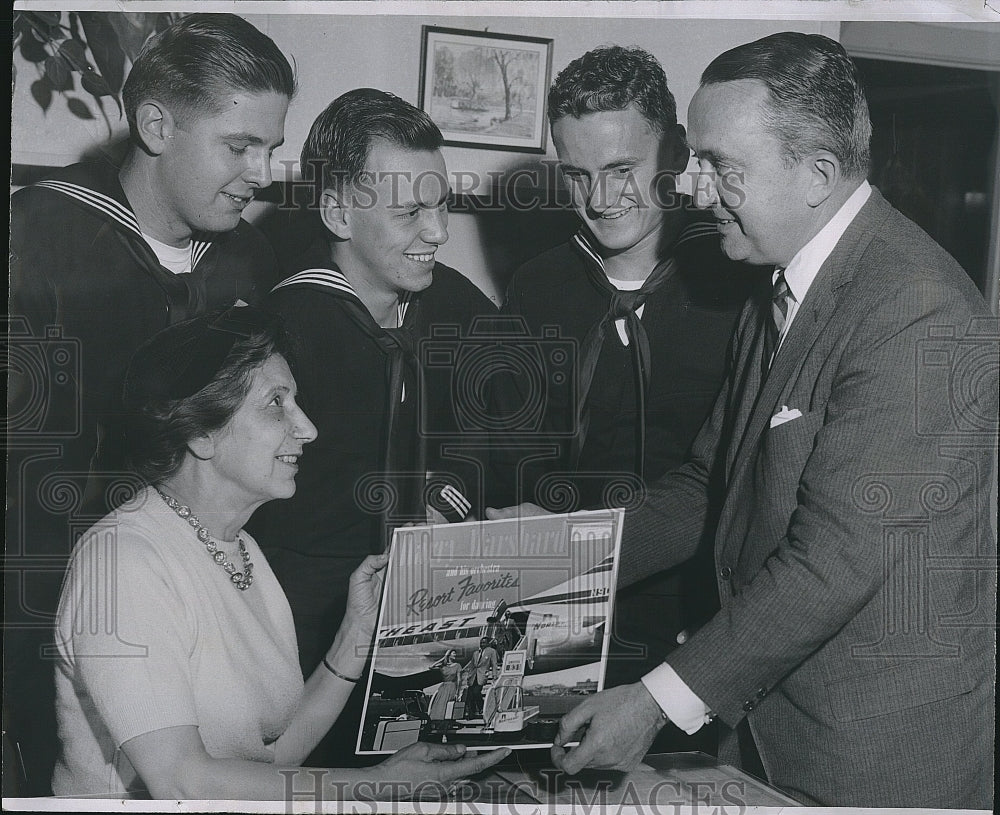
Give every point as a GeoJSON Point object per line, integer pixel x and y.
{"type": "Point", "coordinates": [334, 53]}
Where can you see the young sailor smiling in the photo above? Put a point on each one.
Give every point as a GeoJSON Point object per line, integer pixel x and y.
{"type": "Point", "coordinates": [362, 297]}
{"type": "Point", "coordinates": [648, 299]}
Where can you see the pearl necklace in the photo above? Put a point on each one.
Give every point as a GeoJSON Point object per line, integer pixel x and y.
{"type": "Point", "coordinates": [242, 580]}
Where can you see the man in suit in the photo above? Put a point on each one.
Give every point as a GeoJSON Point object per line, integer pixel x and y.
{"type": "Point", "coordinates": [481, 668]}
{"type": "Point", "coordinates": [846, 469]}
{"type": "Point", "coordinates": [645, 293]}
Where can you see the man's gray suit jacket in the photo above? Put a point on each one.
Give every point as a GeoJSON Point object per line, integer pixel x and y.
{"type": "Point", "coordinates": [854, 554]}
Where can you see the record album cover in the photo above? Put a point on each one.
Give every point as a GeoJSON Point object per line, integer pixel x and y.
{"type": "Point", "coordinates": [490, 631]}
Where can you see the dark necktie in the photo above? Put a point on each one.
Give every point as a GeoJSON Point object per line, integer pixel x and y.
{"type": "Point", "coordinates": [622, 305]}
{"type": "Point", "coordinates": [780, 294]}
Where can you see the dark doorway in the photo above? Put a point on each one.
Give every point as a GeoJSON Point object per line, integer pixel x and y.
{"type": "Point", "coordinates": [934, 151]}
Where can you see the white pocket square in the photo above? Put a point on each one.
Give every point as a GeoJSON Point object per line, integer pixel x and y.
{"type": "Point", "coordinates": [786, 414]}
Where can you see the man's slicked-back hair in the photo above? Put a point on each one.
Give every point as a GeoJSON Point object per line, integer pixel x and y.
{"type": "Point", "coordinates": [340, 140]}
{"type": "Point", "coordinates": [817, 101]}
{"type": "Point", "coordinates": [190, 64]}
{"type": "Point", "coordinates": [613, 78]}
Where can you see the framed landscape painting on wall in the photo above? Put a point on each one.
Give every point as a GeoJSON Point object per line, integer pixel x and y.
{"type": "Point", "coordinates": [486, 90]}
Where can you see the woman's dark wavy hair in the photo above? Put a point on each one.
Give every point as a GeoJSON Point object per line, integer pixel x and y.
{"type": "Point", "coordinates": [200, 57]}
{"type": "Point", "coordinates": [158, 430]}
{"type": "Point", "coordinates": [817, 100]}
{"type": "Point", "coordinates": [613, 78]}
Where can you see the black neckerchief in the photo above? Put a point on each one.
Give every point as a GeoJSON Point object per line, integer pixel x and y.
{"type": "Point", "coordinates": [398, 346]}
{"type": "Point", "coordinates": [622, 305]}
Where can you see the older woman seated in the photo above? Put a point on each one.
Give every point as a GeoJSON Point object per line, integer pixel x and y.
{"type": "Point", "coordinates": [178, 675]}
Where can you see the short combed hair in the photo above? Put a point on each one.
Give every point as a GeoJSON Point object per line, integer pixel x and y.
{"type": "Point", "coordinates": [158, 430]}
{"type": "Point", "coordinates": [817, 101]}
{"type": "Point", "coordinates": [341, 138]}
{"type": "Point", "coordinates": [613, 78]}
{"type": "Point", "coordinates": [193, 62]}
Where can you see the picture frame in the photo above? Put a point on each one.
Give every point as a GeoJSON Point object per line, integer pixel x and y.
{"type": "Point", "coordinates": [486, 90]}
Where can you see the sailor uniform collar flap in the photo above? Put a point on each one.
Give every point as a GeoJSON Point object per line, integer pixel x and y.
{"type": "Point", "coordinates": [112, 205]}
{"type": "Point", "coordinates": [698, 229]}
{"type": "Point", "coordinates": [334, 282]}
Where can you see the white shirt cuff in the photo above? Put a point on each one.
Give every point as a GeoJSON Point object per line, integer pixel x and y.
{"type": "Point", "coordinates": [678, 702]}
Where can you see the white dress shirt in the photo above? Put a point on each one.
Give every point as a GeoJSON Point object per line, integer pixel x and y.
{"type": "Point", "coordinates": [802, 271]}
{"type": "Point", "coordinates": [677, 701]}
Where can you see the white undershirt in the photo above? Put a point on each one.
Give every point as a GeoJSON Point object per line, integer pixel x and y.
{"type": "Point", "coordinates": [176, 259]}
{"type": "Point", "coordinates": [626, 285]}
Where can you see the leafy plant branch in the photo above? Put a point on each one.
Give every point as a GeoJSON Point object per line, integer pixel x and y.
{"type": "Point", "coordinates": [59, 50]}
